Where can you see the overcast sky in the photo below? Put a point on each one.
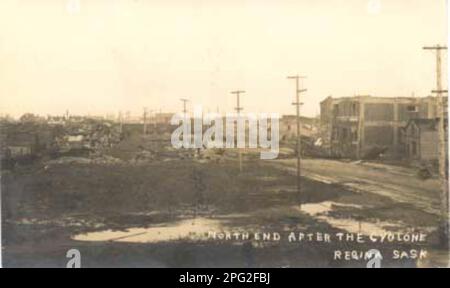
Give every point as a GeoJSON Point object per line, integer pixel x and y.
{"type": "Point", "coordinates": [102, 56]}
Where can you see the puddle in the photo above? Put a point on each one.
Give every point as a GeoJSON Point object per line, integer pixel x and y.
{"type": "Point", "coordinates": [324, 207]}
{"type": "Point", "coordinates": [320, 212]}
{"type": "Point", "coordinates": [193, 229]}
{"type": "Point", "coordinates": [267, 178]}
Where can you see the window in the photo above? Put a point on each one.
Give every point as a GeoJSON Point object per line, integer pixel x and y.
{"type": "Point", "coordinates": [335, 134]}
{"type": "Point", "coordinates": [336, 109]}
{"type": "Point", "coordinates": [414, 148]}
{"type": "Point", "coordinates": [344, 133]}
{"type": "Point", "coordinates": [354, 135]}
{"type": "Point", "coordinates": [354, 109]}
{"type": "Point", "coordinates": [413, 131]}
{"type": "Point", "coordinates": [412, 108]}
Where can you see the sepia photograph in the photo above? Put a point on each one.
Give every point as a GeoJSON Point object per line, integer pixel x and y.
{"type": "Point", "coordinates": [224, 134]}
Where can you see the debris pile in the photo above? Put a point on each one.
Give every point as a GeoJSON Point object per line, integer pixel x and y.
{"type": "Point", "coordinates": [103, 160]}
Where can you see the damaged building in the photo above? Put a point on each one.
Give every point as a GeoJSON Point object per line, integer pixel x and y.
{"type": "Point", "coordinates": [422, 139]}
{"type": "Point", "coordinates": [288, 127]}
{"type": "Point", "coordinates": [367, 127]}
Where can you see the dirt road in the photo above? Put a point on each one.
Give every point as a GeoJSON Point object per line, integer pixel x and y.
{"type": "Point", "coordinates": [398, 183]}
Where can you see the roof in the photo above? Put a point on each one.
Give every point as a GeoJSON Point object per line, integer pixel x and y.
{"type": "Point", "coordinates": [370, 97]}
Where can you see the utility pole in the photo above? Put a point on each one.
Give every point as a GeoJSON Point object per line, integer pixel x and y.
{"type": "Point", "coordinates": [184, 106]}
{"type": "Point", "coordinates": [145, 121]}
{"type": "Point", "coordinates": [442, 147]}
{"type": "Point", "coordinates": [297, 105]}
{"type": "Point", "coordinates": [120, 122]}
{"type": "Point", "coordinates": [238, 110]}
{"type": "Point", "coordinates": [154, 120]}
{"type": "Point", "coordinates": [150, 119]}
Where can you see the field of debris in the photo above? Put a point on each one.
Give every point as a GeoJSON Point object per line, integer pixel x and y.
{"type": "Point", "coordinates": [142, 203]}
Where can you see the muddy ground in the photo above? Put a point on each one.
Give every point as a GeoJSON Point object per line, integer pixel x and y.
{"type": "Point", "coordinates": [48, 208]}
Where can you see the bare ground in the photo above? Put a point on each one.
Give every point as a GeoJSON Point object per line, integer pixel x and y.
{"type": "Point", "coordinates": [45, 207]}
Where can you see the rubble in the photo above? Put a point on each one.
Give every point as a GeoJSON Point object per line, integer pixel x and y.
{"type": "Point", "coordinates": [102, 160]}
{"type": "Point", "coordinates": [78, 140]}
{"type": "Point", "coordinates": [374, 153]}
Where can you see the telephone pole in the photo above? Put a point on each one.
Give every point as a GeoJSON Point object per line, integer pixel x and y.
{"type": "Point", "coordinates": [150, 119]}
{"type": "Point", "coordinates": [238, 110]}
{"type": "Point", "coordinates": [120, 122]}
{"type": "Point", "coordinates": [154, 118]}
{"type": "Point", "coordinates": [297, 105]}
{"type": "Point", "coordinates": [145, 121]}
{"type": "Point", "coordinates": [184, 105]}
{"type": "Point", "coordinates": [442, 147]}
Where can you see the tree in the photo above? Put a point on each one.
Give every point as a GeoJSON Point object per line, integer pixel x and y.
{"type": "Point", "coordinates": [30, 118]}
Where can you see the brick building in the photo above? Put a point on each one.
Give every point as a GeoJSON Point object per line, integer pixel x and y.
{"type": "Point", "coordinates": [357, 126]}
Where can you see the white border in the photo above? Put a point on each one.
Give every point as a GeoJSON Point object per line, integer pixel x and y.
{"type": "Point", "coordinates": [448, 106]}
